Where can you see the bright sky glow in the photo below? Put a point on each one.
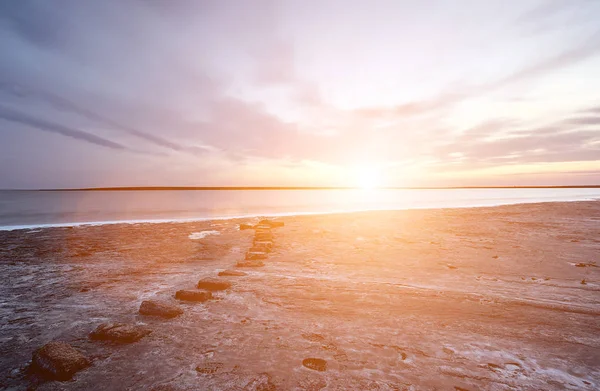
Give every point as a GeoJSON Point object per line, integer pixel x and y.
{"type": "Point", "coordinates": [300, 93]}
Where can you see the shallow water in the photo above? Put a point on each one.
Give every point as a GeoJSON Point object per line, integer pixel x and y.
{"type": "Point", "coordinates": [29, 209]}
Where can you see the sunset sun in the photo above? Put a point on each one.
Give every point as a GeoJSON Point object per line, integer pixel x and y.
{"type": "Point", "coordinates": [367, 177]}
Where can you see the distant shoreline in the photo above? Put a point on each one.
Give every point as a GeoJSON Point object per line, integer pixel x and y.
{"type": "Point", "coordinates": [225, 188]}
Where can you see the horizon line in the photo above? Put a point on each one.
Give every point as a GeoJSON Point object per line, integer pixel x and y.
{"type": "Point", "coordinates": [200, 188]}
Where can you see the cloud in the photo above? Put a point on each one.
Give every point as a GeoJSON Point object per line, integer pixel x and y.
{"type": "Point", "coordinates": [590, 48]}
{"type": "Point", "coordinates": [584, 120]}
{"type": "Point", "coordinates": [506, 141]}
{"type": "Point", "coordinates": [64, 104]}
{"type": "Point", "coordinates": [447, 99]}
{"type": "Point", "coordinates": [47, 126]}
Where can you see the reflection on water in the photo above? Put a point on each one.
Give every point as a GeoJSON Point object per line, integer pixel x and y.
{"type": "Point", "coordinates": [33, 208]}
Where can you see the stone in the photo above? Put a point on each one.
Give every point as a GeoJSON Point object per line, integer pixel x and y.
{"type": "Point", "coordinates": [213, 284]}
{"type": "Point", "coordinates": [232, 273]}
{"type": "Point", "coordinates": [250, 263]}
{"type": "Point", "coordinates": [261, 382]}
{"type": "Point", "coordinates": [246, 226]}
{"type": "Point", "coordinates": [192, 295]}
{"type": "Point", "coordinates": [271, 223]}
{"type": "Point", "coordinates": [209, 368]}
{"type": "Point", "coordinates": [316, 364]}
{"type": "Point", "coordinates": [159, 308]}
{"type": "Point", "coordinates": [58, 361]}
{"type": "Point", "coordinates": [260, 249]}
{"type": "Point", "coordinates": [119, 332]}
{"type": "Point", "coordinates": [250, 255]}
{"type": "Point", "coordinates": [263, 243]}
{"type": "Point", "coordinates": [262, 237]}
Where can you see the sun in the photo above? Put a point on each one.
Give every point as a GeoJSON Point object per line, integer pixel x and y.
{"type": "Point", "coordinates": [367, 177]}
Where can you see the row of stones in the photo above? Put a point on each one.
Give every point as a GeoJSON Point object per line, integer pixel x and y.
{"type": "Point", "coordinates": [60, 361]}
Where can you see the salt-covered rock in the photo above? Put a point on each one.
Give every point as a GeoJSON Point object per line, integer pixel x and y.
{"type": "Point", "coordinates": [317, 364]}
{"type": "Point", "coordinates": [263, 236]}
{"type": "Point", "coordinates": [265, 243]}
{"type": "Point", "coordinates": [260, 249]}
{"type": "Point", "coordinates": [119, 332]}
{"type": "Point", "coordinates": [160, 308]}
{"type": "Point", "coordinates": [250, 263]}
{"type": "Point", "coordinates": [214, 284]}
{"type": "Point", "coordinates": [58, 361]}
{"type": "Point", "coordinates": [271, 223]}
{"type": "Point", "coordinates": [232, 273]}
{"type": "Point", "coordinates": [256, 255]}
{"type": "Point", "coordinates": [193, 295]}
{"type": "Point", "coordinates": [209, 368]}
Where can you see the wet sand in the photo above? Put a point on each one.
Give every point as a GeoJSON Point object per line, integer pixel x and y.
{"type": "Point", "coordinates": [501, 298]}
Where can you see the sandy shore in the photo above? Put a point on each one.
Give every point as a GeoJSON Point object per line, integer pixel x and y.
{"type": "Point", "coordinates": [501, 298]}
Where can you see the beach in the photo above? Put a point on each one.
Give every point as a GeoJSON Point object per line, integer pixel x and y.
{"type": "Point", "coordinates": [494, 298]}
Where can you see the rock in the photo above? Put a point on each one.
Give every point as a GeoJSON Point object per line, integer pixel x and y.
{"type": "Point", "coordinates": [232, 273]}
{"type": "Point", "coordinates": [190, 295]}
{"type": "Point", "coordinates": [246, 226]}
{"type": "Point", "coordinates": [159, 308]}
{"type": "Point", "coordinates": [119, 332]}
{"type": "Point", "coordinates": [265, 243]}
{"type": "Point", "coordinates": [261, 382]}
{"type": "Point", "coordinates": [264, 227]}
{"type": "Point", "coordinates": [317, 364]}
{"type": "Point", "coordinates": [251, 263]}
{"type": "Point", "coordinates": [250, 255]}
{"type": "Point", "coordinates": [213, 284]}
{"type": "Point", "coordinates": [260, 249]}
{"type": "Point", "coordinates": [58, 361]}
{"type": "Point", "coordinates": [271, 223]}
{"type": "Point", "coordinates": [209, 368]}
{"type": "Point", "coordinates": [263, 236]}
{"type": "Point", "coordinates": [590, 264]}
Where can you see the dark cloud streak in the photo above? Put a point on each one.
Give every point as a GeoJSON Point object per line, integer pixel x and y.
{"type": "Point", "coordinates": [67, 105]}
{"type": "Point", "coordinates": [47, 126]}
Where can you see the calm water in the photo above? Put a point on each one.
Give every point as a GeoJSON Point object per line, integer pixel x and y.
{"type": "Point", "coordinates": [28, 209]}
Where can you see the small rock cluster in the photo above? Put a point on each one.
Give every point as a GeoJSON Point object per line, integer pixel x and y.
{"type": "Point", "coordinates": [262, 243]}
{"type": "Point", "coordinates": [60, 361]}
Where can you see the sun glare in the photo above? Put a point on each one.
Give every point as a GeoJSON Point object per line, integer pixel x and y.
{"type": "Point", "coordinates": [368, 177]}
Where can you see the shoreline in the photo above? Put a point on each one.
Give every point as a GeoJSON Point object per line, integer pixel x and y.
{"type": "Point", "coordinates": [225, 188]}
{"type": "Point", "coordinates": [40, 226]}
{"type": "Point", "coordinates": [476, 298]}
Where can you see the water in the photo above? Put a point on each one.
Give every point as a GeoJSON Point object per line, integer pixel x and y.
{"type": "Point", "coordinates": [30, 209]}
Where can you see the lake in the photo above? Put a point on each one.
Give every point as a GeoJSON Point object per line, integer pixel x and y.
{"type": "Point", "coordinates": [31, 209]}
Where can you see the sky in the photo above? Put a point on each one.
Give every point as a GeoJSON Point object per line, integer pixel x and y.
{"type": "Point", "coordinates": [299, 93]}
